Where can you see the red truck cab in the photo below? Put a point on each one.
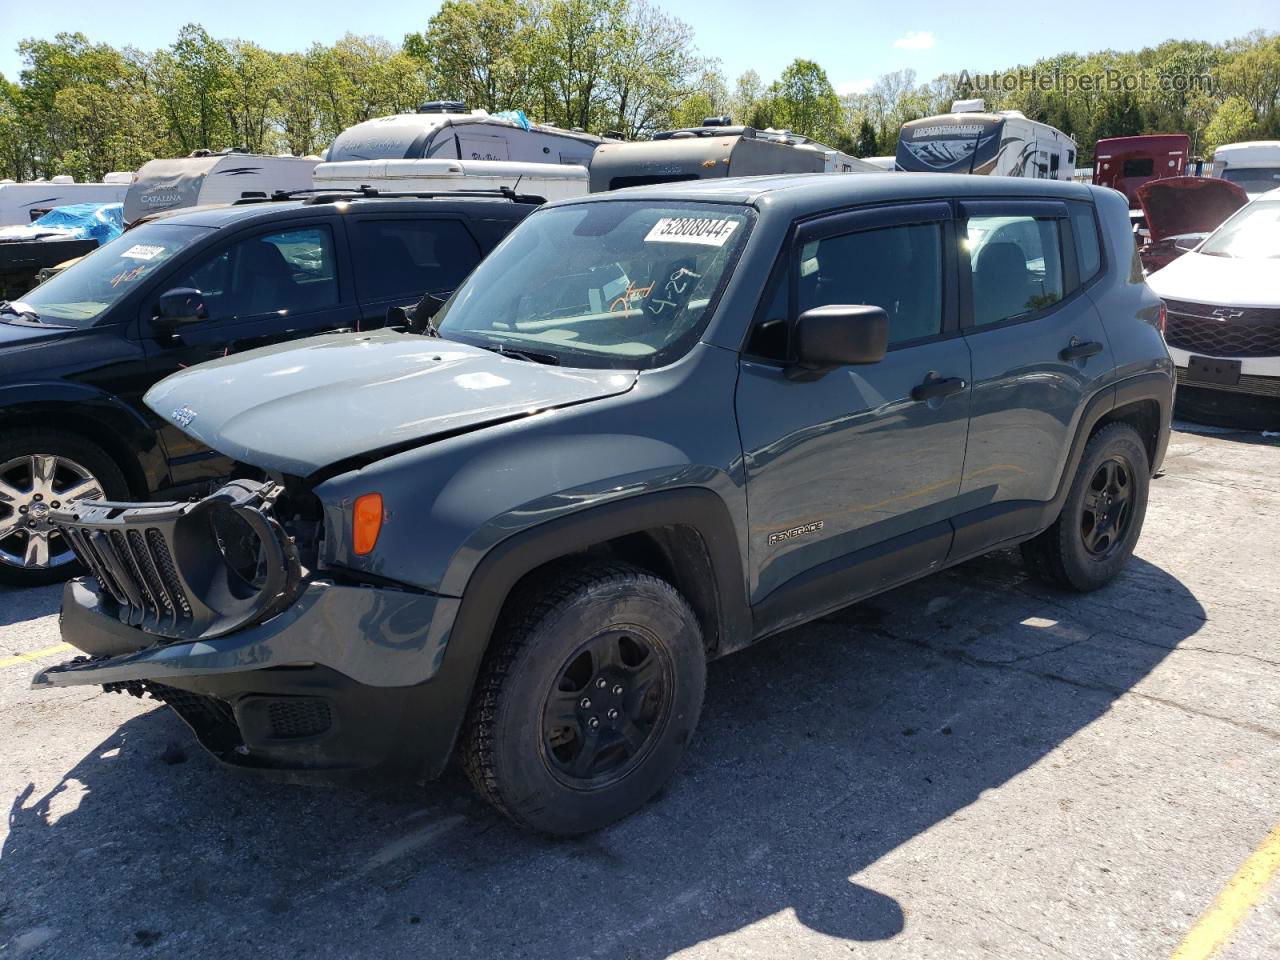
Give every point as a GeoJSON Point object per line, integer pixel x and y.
{"type": "Point", "coordinates": [1126, 163]}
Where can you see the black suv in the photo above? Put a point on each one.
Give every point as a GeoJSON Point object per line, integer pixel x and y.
{"type": "Point", "coordinates": [78, 352]}
{"type": "Point", "coordinates": [657, 426]}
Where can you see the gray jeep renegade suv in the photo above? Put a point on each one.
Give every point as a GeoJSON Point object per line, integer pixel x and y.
{"type": "Point", "coordinates": [656, 426]}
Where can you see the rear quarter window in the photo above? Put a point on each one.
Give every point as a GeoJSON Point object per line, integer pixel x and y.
{"type": "Point", "coordinates": [1084, 225]}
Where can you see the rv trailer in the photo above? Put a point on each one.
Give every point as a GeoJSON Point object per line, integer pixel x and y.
{"type": "Point", "coordinates": [447, 130]}
{"type": "Point", "coordinates": [715, 150]}
{"type": "Point", "coordinates": [971, 140]}
{"type": "Point", "coordinates": [23, 203]}
{"type": "Point", "coordinates": [1254, 165]}
{"type": "Point", "coordinates": [204, 178]}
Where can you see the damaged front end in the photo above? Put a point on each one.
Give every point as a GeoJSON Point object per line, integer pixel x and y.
{"type": "Point", "coordinates": [189, 571]}
{"type": "Point", "coordinates": [221, 609]}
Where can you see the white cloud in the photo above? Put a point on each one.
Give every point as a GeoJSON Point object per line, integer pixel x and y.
{"type": "Point", "coordinates": [915, 40]}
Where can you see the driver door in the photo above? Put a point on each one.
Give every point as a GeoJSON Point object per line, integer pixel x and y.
{"type": "Point", "coordinates": [261, 289]}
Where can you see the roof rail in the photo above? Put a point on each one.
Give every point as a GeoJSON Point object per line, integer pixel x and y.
{"type": "Point", "coordinates": [314, 195]}
{"type": "Point", "coordinates": [366, 192]}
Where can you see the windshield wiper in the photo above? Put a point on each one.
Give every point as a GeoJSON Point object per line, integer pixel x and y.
{"type": "Point", "coordinates": [7, 306]}
{"type": "Point", "coordinates": [549, 359]}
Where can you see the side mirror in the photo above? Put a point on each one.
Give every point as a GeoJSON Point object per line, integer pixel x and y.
{"type": "Point", "coordinates": [180, 306]}
{"type": "Point", "coordinates": [837, 335]}
{"type": "Point", "coordinates": [424, 313]}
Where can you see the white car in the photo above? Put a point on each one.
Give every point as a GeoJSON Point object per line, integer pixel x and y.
{"type": "Point", "coordinates": [1223, 324]}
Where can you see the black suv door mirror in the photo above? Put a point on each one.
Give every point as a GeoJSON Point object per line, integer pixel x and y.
{"type": "Point", "coordinates": [836, 335]}
{"type": "Point", "coordinates": [179, 306]}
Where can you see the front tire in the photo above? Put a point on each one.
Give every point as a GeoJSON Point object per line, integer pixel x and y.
{"type": "Point", "coordinates": [1099, 525]}
{"type": "Point", "coordinates": [42, 471]}
{"type": "Point", "coordinates": [591, 689]}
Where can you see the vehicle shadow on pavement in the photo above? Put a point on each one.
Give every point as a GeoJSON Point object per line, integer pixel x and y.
{"type": "Point", "coordinates": [820, 752]}
{"type": "Point", "coordinates": [20, 604]}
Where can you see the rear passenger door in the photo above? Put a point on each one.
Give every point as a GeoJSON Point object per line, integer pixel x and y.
{"type": "Point", "coordinates": [400, 258]}
{"type": "Point", "coordinates": [1039, 354]}
{"type": "Point", "coordinates": [851, 477]}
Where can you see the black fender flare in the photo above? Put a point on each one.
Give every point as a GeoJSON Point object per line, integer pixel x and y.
{"type": "Point", "coordinates": [99, 416]}
{"type": "Point", "coordinates": [448, 694]}
{"type": "Point", "coordinates": [1156, 386]}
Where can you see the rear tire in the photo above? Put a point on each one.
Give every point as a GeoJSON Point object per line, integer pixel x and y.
{"type": "Point", "coordinates": [38, 469]}
{"type": "Point", "coordinates": [1099, 525]}
{"type": "Point", "coordinates": [590, 691]}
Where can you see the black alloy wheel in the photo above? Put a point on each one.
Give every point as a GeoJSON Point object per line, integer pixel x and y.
{"type": "Point", "coordinates": [607, 709]}
{"type": "Point", "coordinates": [1107, 507]}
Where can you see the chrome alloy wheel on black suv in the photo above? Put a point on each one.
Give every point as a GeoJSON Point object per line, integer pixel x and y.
{"type": "Point", "coordinates": [42, 472]}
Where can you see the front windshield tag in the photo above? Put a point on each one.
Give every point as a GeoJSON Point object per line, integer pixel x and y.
{"type": "Point", "coordinates": [705, 231]}
{"type": "Point", "coordinates": [143, 251]}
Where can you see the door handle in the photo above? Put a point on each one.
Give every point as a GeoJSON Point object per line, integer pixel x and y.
{"type": "Point", "coordinates": [1078, 350]}
{"type": "Point", "coordinates": [938, 389]}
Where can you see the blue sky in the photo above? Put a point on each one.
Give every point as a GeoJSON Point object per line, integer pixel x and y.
{"type": "Point", "coordinates": [855, 42]}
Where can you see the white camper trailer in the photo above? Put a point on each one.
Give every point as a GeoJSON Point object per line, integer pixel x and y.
{"type": "Point", "coordinates": [1254, 165]}
{"type": "Point", "coordinates": [546, 180]}
{"type": "Point", "coordinates": [447, 130]}
{"type": "Point", "coordinates": [21, 203]}
{"type": "Point", "coordinates": [970, 140]}
{"type": "Point", "coordinates": [205, 177]}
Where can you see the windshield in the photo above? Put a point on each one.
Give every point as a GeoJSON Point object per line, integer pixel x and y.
{"type": "Point", "coordinates": [619, 284]}
{"type": "Point", "coordinates": [1252, 234]}
{"type": "Point", "coordinates": [81, 294]}
{"type": "Point", "coordinates": [1254, 179]}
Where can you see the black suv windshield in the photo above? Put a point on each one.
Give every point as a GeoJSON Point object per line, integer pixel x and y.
{"type": "Point", "coordinates": [614, 284]}
{"type": "Point", "coordinates": [81, 294]}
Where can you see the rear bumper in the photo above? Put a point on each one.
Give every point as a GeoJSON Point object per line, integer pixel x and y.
{"type": "Point", "coordinates": [341, 681]}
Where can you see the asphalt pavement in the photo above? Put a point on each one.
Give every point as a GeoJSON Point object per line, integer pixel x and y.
{"type": "Point", "coordinates": [973, 766]}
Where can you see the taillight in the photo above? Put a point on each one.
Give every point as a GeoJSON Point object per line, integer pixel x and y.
{"type": "Point", "coordinates": [366, 523]}
{"type": "Point", "coordinates": [1162, 319]}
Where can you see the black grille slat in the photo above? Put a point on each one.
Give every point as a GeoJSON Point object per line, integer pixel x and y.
{"type": "Point", "coordinates": [116, 567]}
{"type": "Point", "coordinates": [89, 557]}
{"type": "Point", "coordinates": [147, 570]}
{"type": "Point", "coordinates": [124, 550]}
{"type": "Point", "coordinates": [168, 572]}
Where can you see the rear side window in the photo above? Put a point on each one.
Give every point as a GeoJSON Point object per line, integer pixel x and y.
{"type": "Point", "coordinates": [896, 268]}
{"type": "Point", "coordinates": [407, 258]}
{"type": "Point", "coordinates": [1088, 250]}
{"type": "Point", "coordinates": [1017, 266]}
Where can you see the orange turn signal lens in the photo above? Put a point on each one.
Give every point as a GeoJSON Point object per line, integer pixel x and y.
{"type": "Point", "coordinates": [366, 522]}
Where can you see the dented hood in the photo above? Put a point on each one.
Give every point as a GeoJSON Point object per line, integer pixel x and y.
{"type": "Point", "coordinates": [301, 406]}
{"type": "Point", "coordinates": [1178, 205]}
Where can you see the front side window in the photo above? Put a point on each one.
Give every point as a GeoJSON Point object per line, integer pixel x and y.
{"type": "Point", "coordinates": [1251, 234]}
{"type": "Point", "coordinates": [405, 258]}
{"type": "Point", "coordinates": [1017, 266]}
{"type": "Point", "coordinates": [615, 284]}
{"type": "Point", "coordinates": [896, 268]}
{"type": "Point", "coordinates": [290, 271]}
{"type": "Point", "coordinates": [81, 295]}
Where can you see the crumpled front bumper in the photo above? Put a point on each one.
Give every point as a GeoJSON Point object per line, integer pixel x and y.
{"type": "Point", "coordinates": [341, 680]}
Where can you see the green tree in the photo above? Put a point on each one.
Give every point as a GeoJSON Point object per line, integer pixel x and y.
{"type": "Point", "coordinates": [1232, 122]}
{"type": "Point", "coordinates": [806, 103]}
{"type": "Point", "coordinates": [480, 51]}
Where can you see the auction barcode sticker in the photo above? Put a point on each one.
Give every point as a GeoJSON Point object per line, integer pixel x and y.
{"type": "Point", "coordinates": [703, 230]}
{"type": "Point", "coordinates": [143, 251]}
